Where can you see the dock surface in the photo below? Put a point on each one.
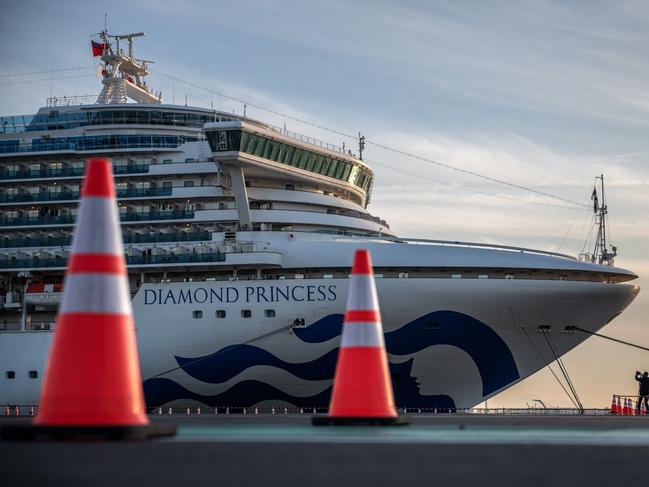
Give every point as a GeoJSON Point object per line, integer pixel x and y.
{"type": "Point", "coordinates": [287, 450]}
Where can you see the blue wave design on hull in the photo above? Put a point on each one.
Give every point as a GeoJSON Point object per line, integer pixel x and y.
{"type": "Point", "coordinates": [490, 353]}
{"type": "Point", "coordinates": [247, 393]}
{"type": "Point", "coordinates": [230, 361]}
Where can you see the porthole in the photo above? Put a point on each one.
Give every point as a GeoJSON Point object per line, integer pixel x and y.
{"type": "Point", "coordinates": [10, 374]}
{"type": "Point", "coordinates": [33, 374]}
{"type": "Point", "coordinates": [269, 313]}
{"type": "Point", "coordinates": [246, 313]}
{"type": "Point", "coordinates": [220, 313]}
{"type": "Point", "coordinates": [197, 314]}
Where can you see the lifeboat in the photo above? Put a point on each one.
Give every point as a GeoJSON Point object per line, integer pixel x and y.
{"type": "Point", "coordinates": [42, 294]}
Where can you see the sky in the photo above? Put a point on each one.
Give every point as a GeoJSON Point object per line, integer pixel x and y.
{"type": "Point", "coordinates": [543, 94]}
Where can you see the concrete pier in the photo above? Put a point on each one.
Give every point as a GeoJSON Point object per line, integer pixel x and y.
{"type": "Point", "coordinates": [286, 450]}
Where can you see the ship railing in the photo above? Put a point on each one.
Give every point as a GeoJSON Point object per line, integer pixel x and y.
{"type": "Point", "coordinates": [124, 217]}
{"type": "Point", "coordinates": [309, 140]}
{"type": "Point", "coordinates": [128, 238]}
{"type": "Point", "coordinates": [56, 146]}
{"type": "Point", "coordinates": [67, 171]}
{"type": "Point", "coordinates": [478, 245]}
{"type": "Point", "coordinates": [133, 258]}
{"type": "Point", "coordinates": [144, 259]}
{"type": "Point", "coordinates": [74, 195]}
{"type": "Point", "coordinates": [68, 101]}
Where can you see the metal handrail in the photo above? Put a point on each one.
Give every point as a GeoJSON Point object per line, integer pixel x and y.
{"type": "Point", "coordinates": [450, 243]}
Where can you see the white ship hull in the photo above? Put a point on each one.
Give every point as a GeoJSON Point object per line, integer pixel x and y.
{"type": "Point", "coordinates": [451, 342]}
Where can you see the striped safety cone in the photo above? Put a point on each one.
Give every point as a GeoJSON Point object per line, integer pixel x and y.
{"type": "Point", "coordinates": [362, 390]}
{"type": "Point", "coordinates": [619, 406]}
{"type": "Point", "coordinates": [614, 405]}
{"type": "Point", "coordinates": [625, 407]}
{"type": "Point", "coordinates": [92, 384]}
{"type": "Point", "coordinates": [643, 409]}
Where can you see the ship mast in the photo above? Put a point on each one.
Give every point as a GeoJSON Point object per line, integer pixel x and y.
{"type": "Point", "coordinates": [601, 254]}
{"type": "Point", "coordinates": [123, 74]}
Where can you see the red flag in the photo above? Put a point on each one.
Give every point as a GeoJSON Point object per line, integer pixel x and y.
{"type": "Point", "coordinates": [97, 48]}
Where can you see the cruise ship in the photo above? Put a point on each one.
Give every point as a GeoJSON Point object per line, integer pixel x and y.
{"type": "Point", "coordinates": [239, 238]}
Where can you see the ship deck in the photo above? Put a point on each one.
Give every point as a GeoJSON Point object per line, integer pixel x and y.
{"type": "Point", "coordinates": [286, 450]}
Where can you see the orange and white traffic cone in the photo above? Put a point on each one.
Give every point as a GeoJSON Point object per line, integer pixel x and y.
{"type": "Point", "coordinates": [619, 406]}
{"type": "Point", "coordinates": [614, 405]}
{"type": "Point", "coordinates": [362, 390]}
{"type": "Point", "coordinates": [7, 410]}
{"type": "Point", "coordinates": [625, 408]}
{"type": "Point", "coordinates": [92, 382]}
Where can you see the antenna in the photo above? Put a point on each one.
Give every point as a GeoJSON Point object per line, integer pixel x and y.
{"type": "Point", "coordinates": [123, 74]}
{"type": "Point", "coordinates": [601, 254]}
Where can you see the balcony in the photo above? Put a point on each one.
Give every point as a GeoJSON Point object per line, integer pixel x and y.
{"type": "Point", "coordinates": [128, 239]}
{"type": "Point", "coordinates": [69, 219]}
{"type": "Point", "coordinates": [37, 220]}
{"type": "Point", "coordinates": [95, 143]}
{"type": "Point", "coordinates": [156, 215]}
{"type": "Point", "coordinates": [131, 260]}
{"type": "Point", "coordinates": [74, 195]}
{"type": "Point", "coordinates": [26, 173]}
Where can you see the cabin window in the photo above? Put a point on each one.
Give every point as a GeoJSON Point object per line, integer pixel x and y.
{"type": "Point", "coordinates": [269, 313]}
{"type": "Point", "coordinates": [403, 274]}
{"type": "Point", "coordinates": [220, 313]}
{"type": "Point", "coordinates": [197, 314]}
{"type": "Point", "coordinates": [456, 276]}
{"type": "Point", "coordinates": [246, 313]}
{"type": "Point", "coordinates": [483, 276]}
{"type": "Point", "coordinates": [188, 184]}
{"type": "Point", "coordinates": [509, 276]}
{"type": "Point", "coordinates": [33, 374]}
{"type": "Point", "coordinates": [10, 374]}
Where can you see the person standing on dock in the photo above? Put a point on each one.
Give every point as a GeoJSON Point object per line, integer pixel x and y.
{"type": "Point", "coordinates": [643, 379]}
